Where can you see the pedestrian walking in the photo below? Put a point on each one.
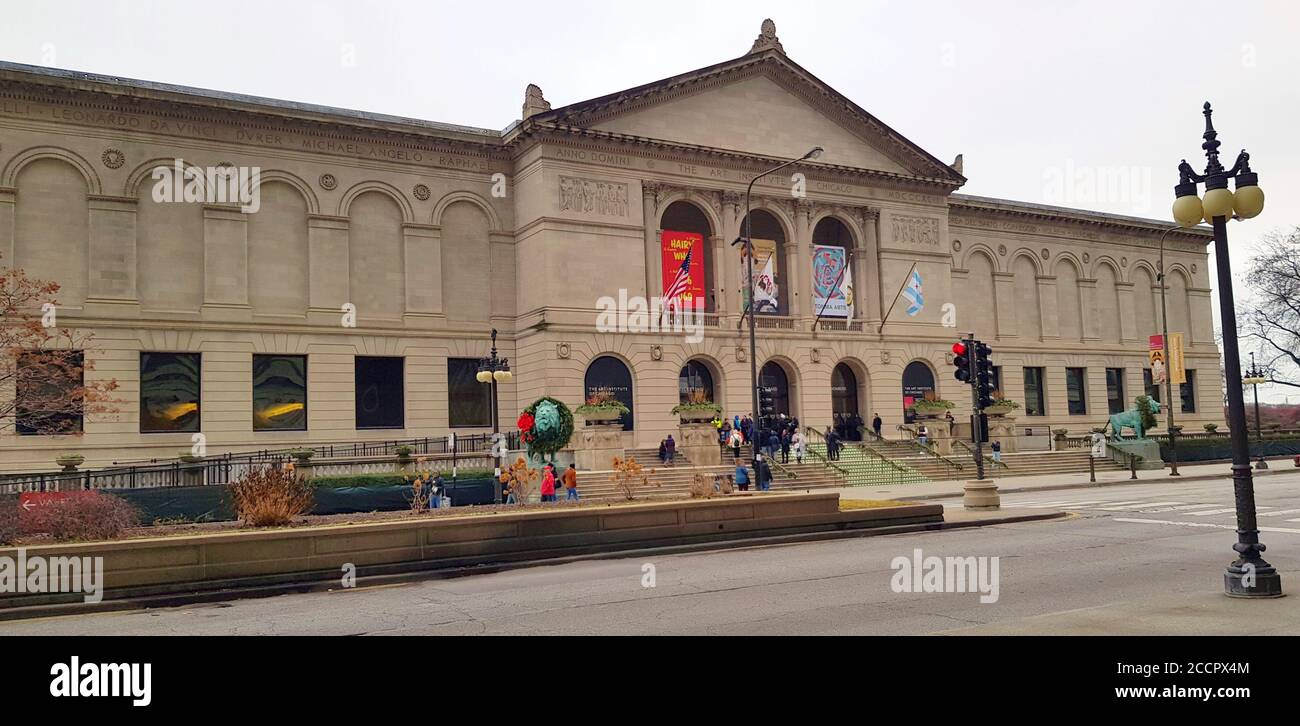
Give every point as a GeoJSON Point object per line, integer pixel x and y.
{"type": "Point", "coordinates": [997, 451]}
{"type": "Point", "coordinates": [742, 476]}
{"type": "Point", "coordinates": [571, 484]}
{"type": "Point", "coordinates": [876, 423]}
{"type": "Point", "coordinates": [736, 440]}
{"type": "Point", "coordinates": [670, 450]}
{"type": "Point", "coordinates": [548, 483]}
{"type": "Point", "coordinates": [762, 474]}
{"type": "Point", "coordinates": [785, 447]}
{"type": "Point", "coordinates": [663, 448]}
{"type": "Point", "coordinates": [796, 442]}
{"type": "Point", "coordinates": [923, 435]}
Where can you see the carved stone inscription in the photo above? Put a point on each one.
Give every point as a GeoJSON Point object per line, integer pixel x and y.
{"type": "Point", "coordinates": [916, 231]}
{"type": "Point", "coordinates": [589, 196]}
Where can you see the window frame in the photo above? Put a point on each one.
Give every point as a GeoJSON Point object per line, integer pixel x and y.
{"type": "Point", "coordinates": [198, 393]}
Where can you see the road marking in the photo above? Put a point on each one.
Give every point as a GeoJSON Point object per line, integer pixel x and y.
{"type": "Point", "coordinates": [1113, 508]}
{"type": "Point", "coordinates": [1279, 513]}
{"type": "Point", "coordinates": [1210, 525]}
{"type": "Point", "coordinates": [1226, 510]}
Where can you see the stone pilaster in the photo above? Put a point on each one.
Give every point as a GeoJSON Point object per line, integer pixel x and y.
{"type": "Point", "coordinates": [653, 256]}
{"type": "Point", "coordinates": [866, 268]}
{"type": "Point", "coordinates": [327, 239]}
{"type": "Point", "coordinates": [424, 274]}
{"type": "Point", "coordinates": [798, 260]}
{"type": "Point", "coordinates": [225, 263]}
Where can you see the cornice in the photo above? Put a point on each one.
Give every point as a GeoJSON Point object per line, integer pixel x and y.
{"type": "Point", "coordinates": [1007, 209]}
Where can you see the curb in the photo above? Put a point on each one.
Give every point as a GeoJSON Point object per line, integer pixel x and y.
{"type": "Point", "coordinates": [418, 575]}
{"type": "Point", "coordinates": [1094, 485]}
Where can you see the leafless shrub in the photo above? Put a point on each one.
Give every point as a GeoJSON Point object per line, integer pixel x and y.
{"type": "Point", "coordinates": [270, 496]}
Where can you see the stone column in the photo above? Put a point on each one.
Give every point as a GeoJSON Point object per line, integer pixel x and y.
{"type": "Point", "coordinates": [329, 263]}
{"type": "Point", "coordinates": [8, 203]}
{"type": "Point", "coordinates": [1048, 311]}
{"type": "Point", "coordinates": [423, 271]}
{"type": "Point", "coordinates": [1004, 286]}
{"type": "Point", "coordinates": [112, 261]}
{"type": "Point", "coordinates": [730, 276]}
{"type": "Point", "coordinates": [225, 263]}
{"type": "Point", "coordinates": [716, 291]}
{"type": "Point", "coordinates": [866, 269]}
{"type": "Point", "coordinates": [653, 258]}
{"type": "Point", "coordinates": [798, 258]}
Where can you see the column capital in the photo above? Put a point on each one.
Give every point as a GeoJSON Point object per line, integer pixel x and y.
{"type": "Point", "coordinates": [732, 197]}
{"type": "Point", "coordinates": [804, 207]}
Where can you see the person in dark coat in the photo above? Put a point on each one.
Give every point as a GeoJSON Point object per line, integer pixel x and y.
{"type": "Point", "coordinates": [876, 423]}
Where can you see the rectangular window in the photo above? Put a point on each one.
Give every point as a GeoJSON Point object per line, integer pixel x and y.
{"type": "Point", "coordinates": [1152, 390]}
{"type": "Point", "coordinates": [279, 393]}
{"type": "Point", "coordinates": [1115, 390]}
{"type": "Point", "coordinates": [169, 392]}
{"type": "Point", "coordinates": [997, 382]}
{"type": "Point", "coordinates": [1076, 395]}
{"type": "Point", "coordinates": [468, 401]}
{"type": "Point", "coordinates": [1035, 397]}
{"type": "Point", "coordinates": [381, 400]}
{"type": "Point", "coordinates": [1188, 393]}
{"type": "Point", "coordinates": [49, 392]}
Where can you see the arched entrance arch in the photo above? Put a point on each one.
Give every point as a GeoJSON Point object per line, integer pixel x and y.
{"type": "Point", "coordinates": [918, 380]}
{"type": "Point", "coordinates": [774, 380]}
{"type": "Point", "coordinates": [770, 276]}
{"type": "Point", "coordinates": [696, 380]}
{"type": "Point", "coordinates": [846, 403]}
{"type": "Point", "coordinates": [681, 220]}
{"type": "Point", "coordinates": [607, 373]}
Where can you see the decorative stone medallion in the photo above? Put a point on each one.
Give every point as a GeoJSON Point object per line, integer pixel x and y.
{"type": "Point", "coordinates": [1123, 262]}
{"type": "Point", "coordinates": [1002, 250]}
{"type": "Point", "coordinates": [328, 182]}
{"type": "Point", "coordinates": [562, 350]}
{"type": "Point", "coordinates": [113, 158]}
{"type": "Point", "coordinates": [815, 355]}
{"type": "Point", "coordinates": [1086, 258]}
{"type": "Point", "coordinates": [1193, 268]}
{"type": "Point", "coordinates": [956, 245]}
{"type": "Point", "coordinates": [884, 357]}
{"type": "Point", "coordinates": [421, 192]}
{"type": "Point", "coordinates": [656, 352]}
{"type": "Point", "coordinates": [740, 354]}
{"type": "Point", "coordinates": [1046, 253]}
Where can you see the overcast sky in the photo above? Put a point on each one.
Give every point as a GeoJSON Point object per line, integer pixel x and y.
{"type": "Point", "coordinates": [1042, 98]}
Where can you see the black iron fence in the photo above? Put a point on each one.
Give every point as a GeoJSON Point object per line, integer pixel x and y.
{"type": "Point", "coordinates": [225, 468]}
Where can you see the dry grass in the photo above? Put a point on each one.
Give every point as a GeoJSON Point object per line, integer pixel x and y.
{"type": "Point", "coordinates": [848, 504]}
{"type": "Point", "coordinates": [271, 496]}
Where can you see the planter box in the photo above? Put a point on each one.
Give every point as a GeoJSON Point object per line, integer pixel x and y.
{"type": "Point", "coordinates": [601, 416]}
{"type": "Point", "coordinates": [1002, 411]}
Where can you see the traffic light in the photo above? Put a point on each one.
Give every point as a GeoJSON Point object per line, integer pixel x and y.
{"type": "Point", "coordinates": [961, 361]}
{"type": "Point", "coordinates": [766, 406]}
{"type": "Point", "coordinates": [983, 375]}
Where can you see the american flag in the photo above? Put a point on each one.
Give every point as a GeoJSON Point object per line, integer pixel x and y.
{"type": "Point", "coordinates": [679, 283]}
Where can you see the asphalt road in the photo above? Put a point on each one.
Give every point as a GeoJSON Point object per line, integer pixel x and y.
{"type": "Point", "coordinates": [1133, 544]}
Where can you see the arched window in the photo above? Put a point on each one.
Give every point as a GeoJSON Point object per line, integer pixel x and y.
{"type": "Point", "coordinates": [695, 380]}
{"type": "Point", "coordinates": [832, 273]}
{"type": "Point", "coordinates": [608, 373]}
{"type": "Point", "coordinates": [770, 275]}
{"type": "Point", "coordinates": [918, 380]}
{"type": "Point", "coordinates": [685, 217]}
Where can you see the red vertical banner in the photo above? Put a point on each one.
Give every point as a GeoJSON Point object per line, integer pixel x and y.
{"type": "Point", "coordinates": [675, 247]}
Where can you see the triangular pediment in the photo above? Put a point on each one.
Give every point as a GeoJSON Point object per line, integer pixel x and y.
{"type": "Point", "coordinates": [762, 104]}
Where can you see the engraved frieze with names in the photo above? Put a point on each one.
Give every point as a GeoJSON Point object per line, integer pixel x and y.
{"type": "Point", "coordinates": [590, 196]}
{"type": "Point", "coordinates": [916, 231]}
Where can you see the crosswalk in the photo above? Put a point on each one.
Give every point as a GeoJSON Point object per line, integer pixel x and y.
{"type": "Point", "coordinates": [1180, 513]}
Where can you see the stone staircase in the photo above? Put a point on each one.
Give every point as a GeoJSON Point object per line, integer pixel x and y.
{"type": "Point", "coordinates": [649, 458]}
{"type": "Point", "coordinates": [675, 481]}
{"type": "Point", "coordinates": [1022, 464]}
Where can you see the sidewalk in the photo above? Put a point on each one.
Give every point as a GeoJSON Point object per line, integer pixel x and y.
{"type": "Point", "coordinates": [1048, 482]}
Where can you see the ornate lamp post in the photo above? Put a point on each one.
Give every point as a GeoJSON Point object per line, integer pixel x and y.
{"type": "Point", "coordinates": [494, 370]}
{"type": "Point", "coordinates": [748, 243]}
{"type": "Point", "coordinates": [1253, 378]}
{"type": "Point", "coordinates": [1249, 575]}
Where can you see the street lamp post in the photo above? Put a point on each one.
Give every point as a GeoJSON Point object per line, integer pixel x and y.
{"type": "Point", "coordinates": [493, 370]}
{"type": "Point", "coordinates": [1254, 377]}
{"type": "Point", "coordinates": [748, 245]}
{"type": "Point", "coordinates": [1169, 395]}
{"type": "Point", "coordinates": [1249, 575]}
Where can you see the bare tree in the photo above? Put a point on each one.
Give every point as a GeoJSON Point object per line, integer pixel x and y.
{"type": "Point", "coordinates": [43, 386]}
{"type": "Point", "coordinates": [1273, 320]}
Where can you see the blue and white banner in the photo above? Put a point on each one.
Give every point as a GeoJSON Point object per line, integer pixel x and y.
{"type": "Point", "coordinates": [912, 293]}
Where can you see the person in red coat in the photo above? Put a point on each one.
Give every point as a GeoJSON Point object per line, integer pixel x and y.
{"type": "Point", "coordinates": [548, 484]}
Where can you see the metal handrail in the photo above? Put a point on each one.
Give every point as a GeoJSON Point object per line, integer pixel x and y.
{"type": "Point", "coordinates": [988, 459]}
{"type": "Point", "coordinates": [818, 455]}
{"type": "Point", "coordinates": [929, 449]}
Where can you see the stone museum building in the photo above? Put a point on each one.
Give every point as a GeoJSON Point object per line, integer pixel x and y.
{"type": "Point", "coordinates": [352, 292]}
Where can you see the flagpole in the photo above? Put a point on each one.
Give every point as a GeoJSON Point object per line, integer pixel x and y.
{"type": "Point", "coordinates": [906, 279]}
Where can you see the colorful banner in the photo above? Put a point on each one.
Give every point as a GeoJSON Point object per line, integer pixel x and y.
{"type": "Point", "coordinates": [676, 247]}
{"type": "Point", "coordinates": [1177, 369]}
{"type": "Point", "coordinates": [832, 282]}
{"type": "Point", "coordinates": [765, 280]}
{"type": "Point", "coordinates": [1156, 353]}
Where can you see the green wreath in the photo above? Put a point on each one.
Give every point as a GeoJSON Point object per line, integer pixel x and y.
{"type": "Point", "coordinates": [546, 427]}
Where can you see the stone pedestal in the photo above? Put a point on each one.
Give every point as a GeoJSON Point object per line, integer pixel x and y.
{"type": "Point", "coordinates": [698, 442]}
{"type": "Point", "coordinates": [941, 435]}
{"type": "Point", "coordinates": [1146, 448]}
{"type": "Point", "coordinates": [981, 494]}
{"type": "Point", "coordinates": [1003, 429]}
{"type": "Point", "coordinates": [596, 444]}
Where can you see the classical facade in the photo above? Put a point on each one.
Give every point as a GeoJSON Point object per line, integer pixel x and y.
{"type": "Point", "coordinates": [353, 299]}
